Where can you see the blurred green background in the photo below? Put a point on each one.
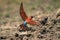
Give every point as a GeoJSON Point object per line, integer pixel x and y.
{"type": "Point", "coordinates": [9, 9]}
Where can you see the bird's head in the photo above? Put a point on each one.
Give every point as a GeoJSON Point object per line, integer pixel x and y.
{"type": "Point", "coordinates": [30, 17]}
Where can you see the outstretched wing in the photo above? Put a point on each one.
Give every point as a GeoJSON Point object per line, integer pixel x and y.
{"type": "Point", "coordinates": [22, 12]}
{"type": "Point", "coordinates": [32, 22]}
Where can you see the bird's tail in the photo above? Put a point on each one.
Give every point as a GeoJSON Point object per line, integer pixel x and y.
{"type": "Point", "coordinates": [23, 27]}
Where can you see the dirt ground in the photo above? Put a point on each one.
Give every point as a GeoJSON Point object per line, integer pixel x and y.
{"type": "Point", "coordinates": [48, 30]}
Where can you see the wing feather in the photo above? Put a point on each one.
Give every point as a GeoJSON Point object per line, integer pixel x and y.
{"type": "Point", "coordinates": [32, 22]}
{"type": "Point", "coordinates": [22, 12]}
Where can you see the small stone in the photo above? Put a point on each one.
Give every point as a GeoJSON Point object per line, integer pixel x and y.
{"type": "Point", "coordinates": [59, 36]}
{"type": "Point", "coordinates": [58, 28]}
{"type": "Point", "coordinates": [44, 31]}
{"type": "Point", "coordinates": [39, 36]}
{"type": "Point", "coordinates": [16, 35]}
{"type": "Point", "coordinates": [26, 39]}
{"type": "Point", "coordinates": [58, 19]}
{"type": "Point", "coordinates": [54, 21]}
{"type": "Point", "coordinates": [2, 37]}
{"type": "Point", "coordinates": [29, 35]}
{"type": "Point", "coordinates": [58, 13]}
{"type": "Point", "coordinates": [43, 22]}
{"type": "Point", "coordinates": [50, 39]}
{"type": "Point", "coordinates": [11, 39]}
{"type": "Point", "coordinates": [50, 27]}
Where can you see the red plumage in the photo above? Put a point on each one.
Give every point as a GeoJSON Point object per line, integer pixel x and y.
{"type": "Point", "coordinates": [22, 12]}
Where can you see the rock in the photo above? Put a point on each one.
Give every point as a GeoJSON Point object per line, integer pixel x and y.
{"type": "Point", "coordinates": [50, 27]}
{"type": "Point", "coordinates": [43, 22]}
{"type": "Point", "coordinates": [58, 13]}
{"type": "Point", "coordinates": [29, 35]}
{"type": "Point", "coordinates": [16, 35]}
{"type": "Point", "coordinates": [58, 19]}
{"type": "Point", "coordinates": [11, 39]}
{"type": "Point", "coordinates": [39, 36]}
{"type": "Point", "coordinates": [3, 37]}
{"type": "Point", "coordinates": [23, 33]}
{"type": "Point", "coordinates": [59, 36]}
{"type": "Point", "coordinates": [54, 21]}
{"type": "Point", "coordinates": [43, 31]}
{"type": "Point", "coordinates": [58, 29]}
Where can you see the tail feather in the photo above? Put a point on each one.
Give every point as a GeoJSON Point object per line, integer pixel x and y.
{"type": "Point", "coordinates": [23, 27]}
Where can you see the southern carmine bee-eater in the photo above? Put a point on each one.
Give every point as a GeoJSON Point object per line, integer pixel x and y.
{"type": "Point", "coordinates": [26, 19]}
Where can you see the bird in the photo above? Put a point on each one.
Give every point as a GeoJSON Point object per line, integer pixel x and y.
{"type": "Point", "coordinates": [26, 19]}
